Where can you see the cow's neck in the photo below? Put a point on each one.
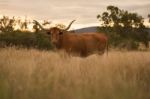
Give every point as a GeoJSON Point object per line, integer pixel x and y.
{"type": "Point", "coordinates": [62, 41]}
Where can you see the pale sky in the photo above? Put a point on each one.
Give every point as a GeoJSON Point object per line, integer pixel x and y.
{"type": "Point", "coordinates": [64, 11]}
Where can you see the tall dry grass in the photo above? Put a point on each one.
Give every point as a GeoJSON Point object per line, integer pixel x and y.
{"type": "Point", "coordinates": [32, 74]}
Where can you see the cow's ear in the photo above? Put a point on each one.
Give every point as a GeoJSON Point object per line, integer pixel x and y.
{"type": "Point", "coordinates": [61, 32]}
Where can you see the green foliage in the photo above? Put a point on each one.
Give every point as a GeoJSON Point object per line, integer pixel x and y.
{"type": "Point", "coordinates": [119, 40]}
{"type": "Point", "coordinates": [9, 36]}
{"type": "Point", "coordinates": [42, 41]}
{"type": "Point", "coordinates": [117, 17]}
{"type": "Point", "coordinates": [123, 27]}
{"type": "Point", "coordinates": [7, 24]}
{"type": "Point", "coordinates": [25, 39]}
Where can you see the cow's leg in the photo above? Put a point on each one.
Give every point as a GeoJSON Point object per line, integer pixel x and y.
{"type": "Point", "coordinates": [102, 48]}
{"type": "Point", "coordinates": [68, 52]}
{"type": "Point", "coordinates": [101, 52]}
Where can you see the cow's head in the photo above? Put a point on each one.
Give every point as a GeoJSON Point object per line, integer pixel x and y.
{"type": "Point", "coordinates": [54, 32]}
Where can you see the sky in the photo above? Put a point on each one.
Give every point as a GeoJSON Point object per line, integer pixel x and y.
{"type": "Point", "coordinates": [64, 11]}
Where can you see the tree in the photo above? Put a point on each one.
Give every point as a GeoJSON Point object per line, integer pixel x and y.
{"type": "Point", "coordinates": [149, 17]}
{"type": "Point", "coordinates": [7, 24]}
{"type": "Point", "coordinates": [116, 17]}
{"type": "Point", "coordinates": [46, 23]}
{"type": "Point", "coordinates": [61, 26]}
{"type": "Point", "coordinates": [123, 23]}
{"type": "Point", "coordinates": [36, 27]}
{"type": "Point", "coordinates": [24, 25]}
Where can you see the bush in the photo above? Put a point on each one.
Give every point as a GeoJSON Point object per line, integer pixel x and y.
{"type": "Point", "coordinates": [42, 41]}
{"type": "Point", "coordinates": [25, 39]}
{"type": "Point", "coordinates": [121, 40]}
{"type": "Point", "coordinates": [129, 44]}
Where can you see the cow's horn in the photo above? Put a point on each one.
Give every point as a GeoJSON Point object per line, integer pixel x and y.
{"type": "Point", "coordinates": [36, 22]}
{"type": "Point", "coordinates": [70, 25]}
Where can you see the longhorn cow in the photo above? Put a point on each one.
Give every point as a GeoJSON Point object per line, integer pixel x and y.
{"type": "Point", "coordinates": [76, 44]}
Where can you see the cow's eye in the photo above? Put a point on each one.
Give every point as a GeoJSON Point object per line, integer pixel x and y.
{"type": "Point", "coordinates": [49, 33]}
{"type": "Point", "coordinates": [60, 33]}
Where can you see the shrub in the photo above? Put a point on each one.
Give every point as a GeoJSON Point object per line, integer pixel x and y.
{"type": "Point", "coordinates": [25, 39]}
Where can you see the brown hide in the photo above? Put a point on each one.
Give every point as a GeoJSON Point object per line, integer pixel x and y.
{"type": "Point", "coordinates": [82, 44]}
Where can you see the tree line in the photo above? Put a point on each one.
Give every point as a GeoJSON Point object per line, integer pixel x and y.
{"type": "Point", "coordinates": [8, 24]}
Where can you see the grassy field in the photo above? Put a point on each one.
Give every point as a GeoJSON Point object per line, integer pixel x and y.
{"type": "Point", "coordinates": [33, 74]}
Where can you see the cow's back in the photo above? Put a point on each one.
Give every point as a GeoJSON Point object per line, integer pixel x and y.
{"type": "Point", "coordinates": [95, 42]}
{"type": "Point", "coordinates": [84, 44]}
